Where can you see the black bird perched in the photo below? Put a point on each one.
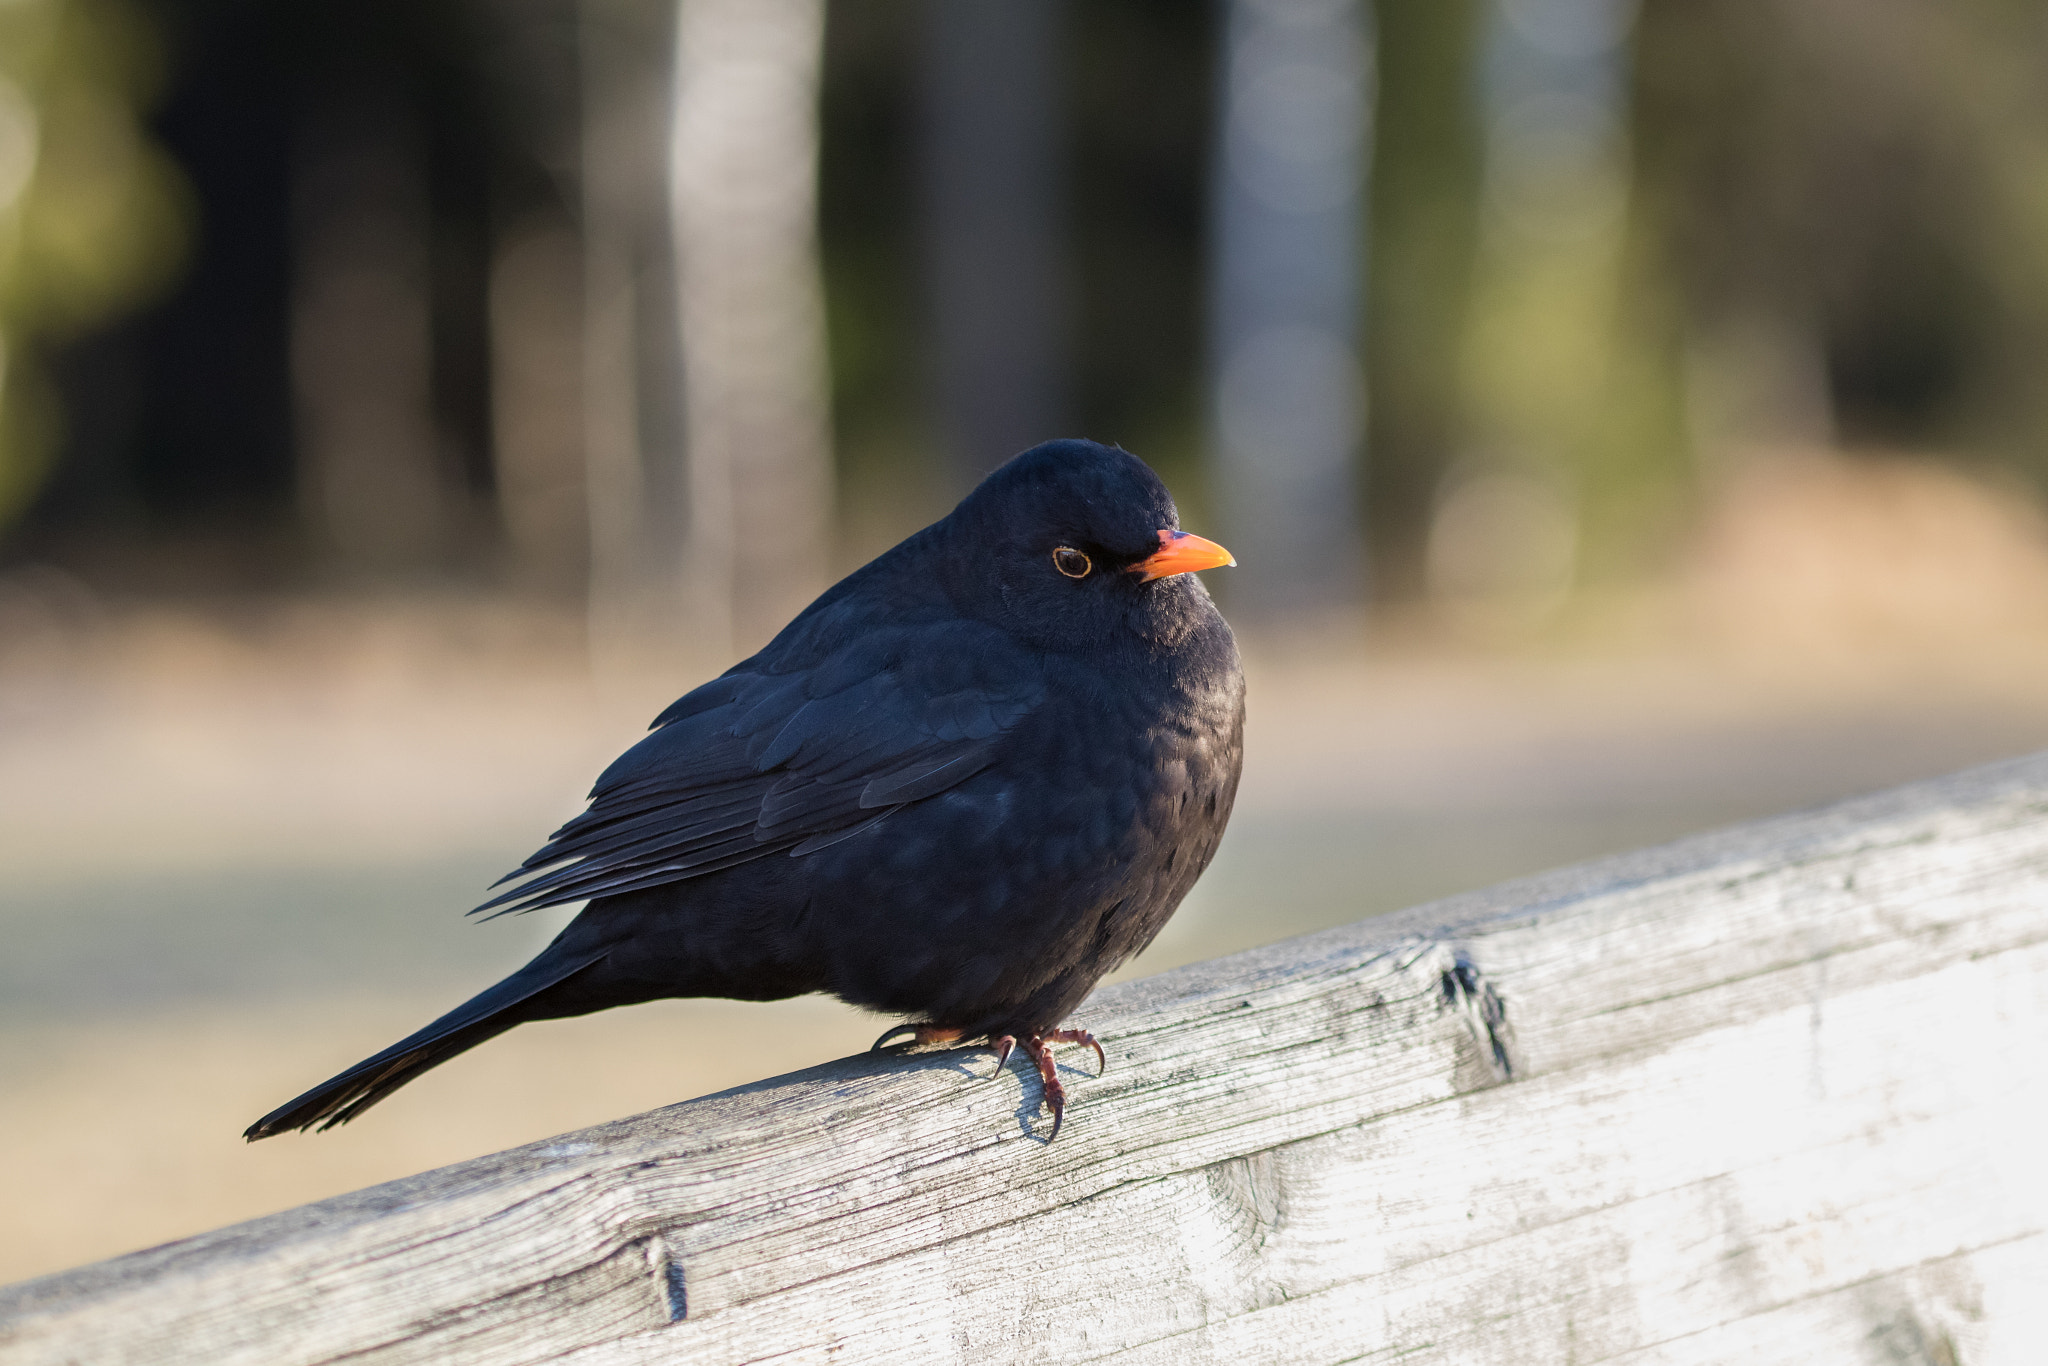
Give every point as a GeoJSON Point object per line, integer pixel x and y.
{"type": "Point", "coordinates": [973, 777]}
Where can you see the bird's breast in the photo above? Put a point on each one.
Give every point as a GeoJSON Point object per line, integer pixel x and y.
{"type": "Point", "coordinates": [1008, 895]}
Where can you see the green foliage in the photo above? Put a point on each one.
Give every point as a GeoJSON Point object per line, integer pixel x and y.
{"type": "Point", "coordinates": [93, 218]}
{"type": "Point", "coordinates": [1426, 170]}
{"type": "Point", "coordinates": [1859, 206]}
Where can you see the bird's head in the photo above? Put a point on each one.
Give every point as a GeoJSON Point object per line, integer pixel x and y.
{"type": "Point", "coordinates": [1072, 542]}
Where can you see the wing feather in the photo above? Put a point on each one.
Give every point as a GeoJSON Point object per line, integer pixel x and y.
{"type": "Point", "coordinates": [771, 758]}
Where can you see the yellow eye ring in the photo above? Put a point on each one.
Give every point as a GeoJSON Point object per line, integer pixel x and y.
{"type": "Point", "coordinates": [1071, 562]}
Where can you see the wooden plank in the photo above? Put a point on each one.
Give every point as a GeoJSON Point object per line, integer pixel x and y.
{"type": "Point", "coordinates": [1776, 1097]}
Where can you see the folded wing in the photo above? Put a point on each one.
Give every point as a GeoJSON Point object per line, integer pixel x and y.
{"type": "Point", "coordinates": [760, 762]}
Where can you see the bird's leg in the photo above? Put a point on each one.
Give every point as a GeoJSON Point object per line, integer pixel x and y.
{"type": "Point", "coordinates": [1081, 1036]}
{"type": "Point", "coordinates": [920, 1034]}
{"type": "Point", "coordinates": [1038, 1047]}
{"type": "Point", "coordinates": [1054, 1097]}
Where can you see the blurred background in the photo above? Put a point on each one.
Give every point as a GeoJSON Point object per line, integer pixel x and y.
{"type": "Point", "coordinates": [1628, 417]}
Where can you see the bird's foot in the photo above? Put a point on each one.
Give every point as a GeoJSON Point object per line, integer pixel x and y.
{"type": "Point", "coordinates": [920, 1034]}
{"type": "Point", "coordinates": [1038, 1047]}
{"type": "Point", "coordinates": [1081, 1036]}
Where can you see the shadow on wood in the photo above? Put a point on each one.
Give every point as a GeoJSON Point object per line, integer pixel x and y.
{"type": "Point", "coordinates": [1773, 1095]}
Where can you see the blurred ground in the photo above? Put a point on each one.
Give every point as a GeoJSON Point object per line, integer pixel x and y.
{"type": "Point", "coordinates": [236, 838]}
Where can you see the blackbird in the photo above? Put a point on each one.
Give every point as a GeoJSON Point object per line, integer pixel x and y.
{"type": "Point", "coordinates": [974, 776]}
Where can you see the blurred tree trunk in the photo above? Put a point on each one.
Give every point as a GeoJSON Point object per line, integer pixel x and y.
{"type": "Point", "coordinates": [993, 204]}
{"type": "Point", "coordinates": [537, 400]}
{"type": "Point", "coordinates": [375, 482]}
{"type": "Point", "coordinates": [743, 176]}
{"type": "Point", "coordinates": [1425, 209]}
{"type": "Point", "coordinates": [705, 391]}
{"type": "Point", "coordinates": [632, 442]}
{"type": "Point", "coordinates": [1286, 403]}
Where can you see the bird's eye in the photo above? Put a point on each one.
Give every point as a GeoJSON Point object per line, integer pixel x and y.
{"type": "Point", "coordinates": [1071, 562]}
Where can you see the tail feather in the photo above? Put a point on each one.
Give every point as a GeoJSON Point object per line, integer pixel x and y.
{"type": "Point", "coordinates": [486, 1015]}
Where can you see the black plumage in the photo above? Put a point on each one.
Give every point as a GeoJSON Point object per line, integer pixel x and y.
{"type": "Point", "coordinates": [975, 775]}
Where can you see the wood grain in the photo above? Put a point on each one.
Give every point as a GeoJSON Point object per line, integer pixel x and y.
{"type": "Point", "coordinates": [1769, 1095]}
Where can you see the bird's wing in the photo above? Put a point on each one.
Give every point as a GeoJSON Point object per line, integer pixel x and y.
{"type": "Point", "coordinates": [761, 761]}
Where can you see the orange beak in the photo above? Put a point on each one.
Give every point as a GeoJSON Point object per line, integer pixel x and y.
{"type": "Point", "coordinates": [1181, 553]}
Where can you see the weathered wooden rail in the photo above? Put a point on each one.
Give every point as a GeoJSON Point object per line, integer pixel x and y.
{"type": "Point", "coordinates": [1777, 1094]}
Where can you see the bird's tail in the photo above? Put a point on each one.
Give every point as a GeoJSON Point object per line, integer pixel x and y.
{"type": "Point", "coordinates": [484, 1016]}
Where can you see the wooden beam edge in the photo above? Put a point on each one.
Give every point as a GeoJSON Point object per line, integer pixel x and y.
{"type": "Point", "coordinates": [731, 1120]}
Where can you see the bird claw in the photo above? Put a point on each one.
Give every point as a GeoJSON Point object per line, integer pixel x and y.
{"type": "Point", "coordinates": [1081, 1036]}
{"type": "Point", "coordinates": [1054, 1097]}
{"type": "Point", "coordinates": [1038, 1047]}
{"type": "Point", "coordinates": [920, 1034]}
{"type": "Point", "coordinates": [879, 1044]}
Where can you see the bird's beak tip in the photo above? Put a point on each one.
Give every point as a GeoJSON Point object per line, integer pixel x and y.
{"type": "Point", "coordinates": [1182, 552]}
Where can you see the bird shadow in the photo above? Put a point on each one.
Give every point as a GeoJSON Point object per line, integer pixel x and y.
{"type": "Point", "coordinates": [859, 1067]}
{"type": "Point", "coordinates": [1030, 1114]}
{"type": "Point", "coordinates": [1033, 1111]}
